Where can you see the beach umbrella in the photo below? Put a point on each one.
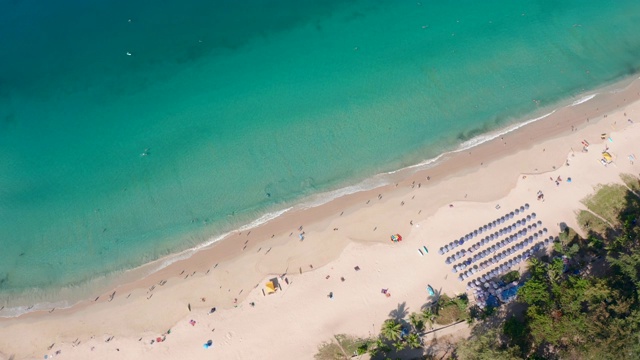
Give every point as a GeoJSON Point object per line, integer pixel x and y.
{"type": "Point", "coordinates": [522, 209]}
{"type": "Point", "coordinates": [456, 242]}
{"type": "Point", "coordinates": [494, 223]}
{"type": "Point", "coordinates": [486, 227]}
{"type": "Point", "coordinates": [528, 217]}
{"type": "Point", "coordinates": [441, 251]}
{"type": "Point", "coordinates": [453, 270]}
{"type": "Point", "coordinates": [502, 220]}
{"type": "Point", "coordinates": [535, 236]}
{"type": "Point", "coordinates": [526, 206]}
{"type": "Point", "coordinates": [544, 231]}
{"type": "Point", "coordinates": [448, 261]}
{"type": "Point", "coordinates": [475, 232]}
{"type": "Point", "coordinates": [533, 215]}
{"type": "Point", "coordinates": [511, 215]}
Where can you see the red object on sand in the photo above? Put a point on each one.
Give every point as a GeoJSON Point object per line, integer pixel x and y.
{"type": "Point", "coordinates": [159, 339]}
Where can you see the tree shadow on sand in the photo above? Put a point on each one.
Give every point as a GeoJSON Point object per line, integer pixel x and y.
{"type": "Point", "coordinates": [400, 312]}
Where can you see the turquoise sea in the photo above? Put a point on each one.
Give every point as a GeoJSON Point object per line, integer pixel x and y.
{"type": "Point", "coordinates": [133, 129]}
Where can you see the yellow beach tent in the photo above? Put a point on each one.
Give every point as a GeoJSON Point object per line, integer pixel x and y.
{"type": "Point", "coordinates": [271, 287]}
{"type": "Point", "coordinates": [607, 156]}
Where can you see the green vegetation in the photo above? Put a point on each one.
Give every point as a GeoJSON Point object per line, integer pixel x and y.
{"type": "Point", "coordinates": [342, 347]}
{"type": "Point", "coordinates": [511, 276]}
{"type": "Point", "coordinates": [632, 182]}
{"type": "Point", "coordinates": [450, 310]}
{"type": "Point", "coordinates": [608, 202]}
{"type": "Point", "coordinates": [582, 301]}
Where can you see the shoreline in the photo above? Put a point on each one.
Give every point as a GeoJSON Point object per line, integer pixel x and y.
{"type": "Point", "coordinates": [590, 102]}
{"type": "Point", "coordinates": [418, 207]}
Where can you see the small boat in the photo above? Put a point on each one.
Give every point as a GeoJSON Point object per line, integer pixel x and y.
{"type": "Point", "coordinates": [430, 290]}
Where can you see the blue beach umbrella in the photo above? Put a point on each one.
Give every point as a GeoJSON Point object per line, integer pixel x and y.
{"type": "Point", "coordinates": [533, 215]}
{"type": "Point", "coordinates": [517, 211]}
{"type": "Point", "coordinates": [544, 231]}
{"type": "Point", "coordinates": [475, 232]}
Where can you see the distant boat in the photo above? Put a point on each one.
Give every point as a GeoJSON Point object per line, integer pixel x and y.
{"type": "Point", "coordinates": [145, 152]}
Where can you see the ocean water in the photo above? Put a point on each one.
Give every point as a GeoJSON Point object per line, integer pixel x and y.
{"type": "Point", "coordinates": [245, 107]}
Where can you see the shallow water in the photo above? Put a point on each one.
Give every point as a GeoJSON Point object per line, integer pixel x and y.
{"type": "Point", "coordinates": [246, 107]}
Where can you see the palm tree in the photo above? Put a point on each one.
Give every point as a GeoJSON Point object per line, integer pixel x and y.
{"type": "Point", "coordinates": [391, 330]}
{"type": "Point", "coordinates": [399, 345]}
{"type": "Point", "coordinates": [428, 316]}
{"type": "Point", "coordinates": [537, 268]}
{"type": "Point", "coordinates": [413, 340]}
{"type": "Point", "coordinates": [416, 321]}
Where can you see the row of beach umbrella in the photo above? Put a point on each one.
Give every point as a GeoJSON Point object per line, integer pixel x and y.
{"type": "Point", "coordinates": [494, 224]}
{"type": "Point", "coordinates": [504, 231]}
{"type": "Point", "coordinates": [504, 267]}
{"type": "Point", "coordinates": [492, 249]}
